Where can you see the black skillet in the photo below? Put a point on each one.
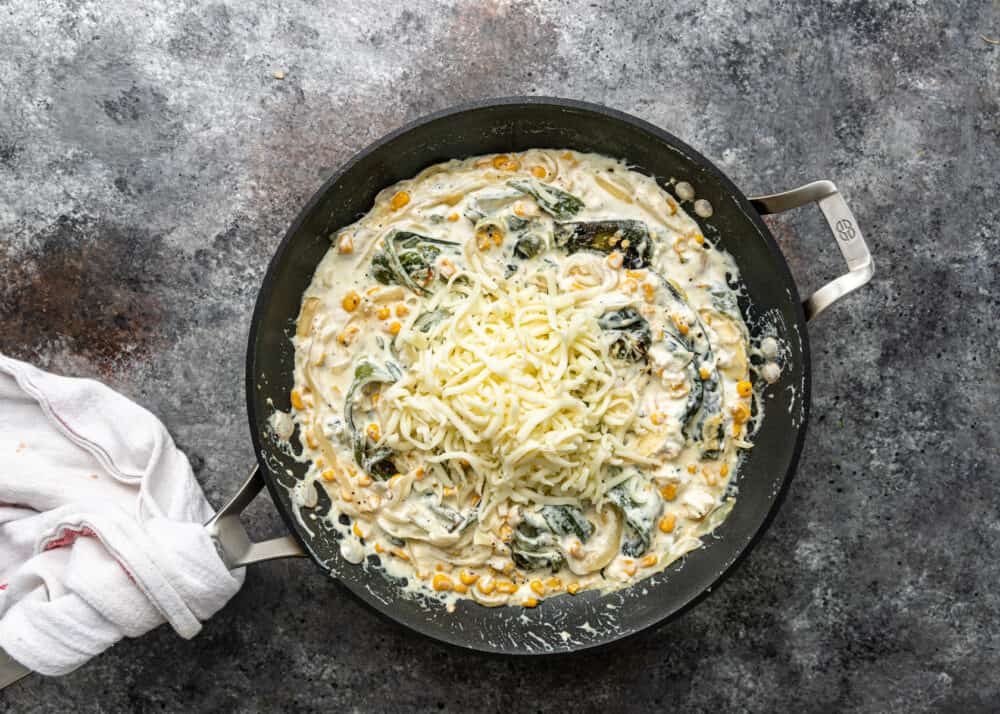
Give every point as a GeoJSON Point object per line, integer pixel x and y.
{"type": "Point", "coordinates": [564, 623]}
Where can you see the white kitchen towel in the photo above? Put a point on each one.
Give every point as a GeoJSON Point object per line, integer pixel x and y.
{"type": "Point", "coordinates": [101, 533]}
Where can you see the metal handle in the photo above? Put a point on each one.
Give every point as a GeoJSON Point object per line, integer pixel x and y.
{"type": "Point", "coordinates": [845, 229]}
{"type": "Point", "coordinates": [11, 670]}
{"type": "Point", "coordinates": [231, 537]}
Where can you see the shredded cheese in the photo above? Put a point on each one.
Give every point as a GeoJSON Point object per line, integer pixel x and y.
{"type": "Point", "coordinates": [516, 383]}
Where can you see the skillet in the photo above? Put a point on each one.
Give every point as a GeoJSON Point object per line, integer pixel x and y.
{"type": "Point", "coordinates": [590, 619]}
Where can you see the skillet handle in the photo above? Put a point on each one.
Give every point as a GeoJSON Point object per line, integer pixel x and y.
{"type": "Point", "coordinates": [845, 229]}
{"type": "Point", "coordinates": [231, 539]}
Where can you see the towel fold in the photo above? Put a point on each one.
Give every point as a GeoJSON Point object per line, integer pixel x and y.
{"type": "Point", "coordinates": [101, 533]}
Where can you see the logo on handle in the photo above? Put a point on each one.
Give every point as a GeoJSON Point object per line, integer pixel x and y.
{"type": "Point", "coordinates": [845, 230]}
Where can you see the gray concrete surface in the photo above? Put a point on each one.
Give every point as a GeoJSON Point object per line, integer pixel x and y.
{"type": "Point", "coordinates": [149, 162]}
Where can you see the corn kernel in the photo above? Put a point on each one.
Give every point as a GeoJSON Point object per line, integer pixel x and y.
{"type": "Point", "coordinates": [630, 286]}
{"type": "Point", "coordinates": [345, 244]}
{"type": "Point", "coordinates": [419, 473]}
{"type": "Point", "coordinates": [383, 313]}
{"type": "Point", "coordinates": [537, 587]}
{"type": "Point", "coordinates": [630, 567]}
{"type": "Point", "coordinates": [379, 548]}
{"type": "Point", "coordinates": [506, 587]}
{"type": "Point", "coordinates": [672, 205]}
{"type": "Point", "coordinates": [573, 588]}
{"type": "Point", "coordinates": [373, 431]}
{"type": "Point", "coordinates": [744, 388]}
{"type": "Point", "coordinates": [399, 200]}
{"type": "Point", "coordinates": [506, 532]}
{"type": "Point", "coordinates": [554, 583]}
{"type": "Point", "coordinates": [615, 260]}
{"type": "Point", "coordinates": [692, 468]}
{"type": "Point", "coordinates": [448, 491]}
{"type": "Point", "coordinates": [442, 582]}
{"type": "Point", "coordinates": [400, 554]}
{"type": "Point", "coordinates": [357, 530]}
{"type": "Point", "coordinates": [468, 577]}
{"type": "Point", "coordinates": [351, 301]}
{"type": "Point", "coordinates": [704, 372]}
{"type": "Point", "coordinates": [394, 327]}
{"type": "Point", "coordinates": [667, 523]}
{"type": "Point", "coordinates": [539, 172]}
{"type": "Point", "coordinates": [529, 602]}
{"type": "Point", "coordinates": [446, 268]}
{"type": "Point", "coordinates": [452, 217]}
{"type": "Point", "coordinates": [576, 550]}
{"type": "Point", "coordinates": [329, 475]}
{"type": "Point", "coordinates": [346, 496]}
{"type": "Point", "coordinates": [460, 589]}
{"type": "Point", "coordinates": [488, 236]}
{"type": "Point", "coordinates": [669, 491]}
{"type": "Point", "coordinates": [508, 567]}
{"type": "Point", "coordinates": [724, 470]}
{"type": "Point", "coordinates": [699, 239]}
{"type": "Point", "coordinates": [486, 585]}
{"type": "Point", "coordinates": [741, 413]}
{"type": "Point", "coordinates": [297, 400]}
{"type": "Point", "coordinates": [402, 310]}
{"type": "Point", "coordinates": [320, 464]}
{"type": "Point", "coordinates": [500, 161]}
{"type": "Point", "coordinates": [649, 561]}
{"type": "Point", "coordinates": [566, 155]}
{"type": "Point", "coordinates": [364, 480]}
{"type": "Point", "coordinates": [649, 290]}
{"type": "Point", "coordinates": [637, 274]}
{"type": "Point", "coordinates": [657, 418]}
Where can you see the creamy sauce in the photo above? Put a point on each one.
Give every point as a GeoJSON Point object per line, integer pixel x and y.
{"type": "Point", "coordinates": [523, 375]}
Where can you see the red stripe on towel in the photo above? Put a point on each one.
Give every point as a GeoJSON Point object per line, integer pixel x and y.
{"type": "Point", "coordinates": [68, 536]}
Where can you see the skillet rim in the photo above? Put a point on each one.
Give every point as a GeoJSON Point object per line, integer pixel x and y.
{"type": "Point", "coordinates": [267, 287]}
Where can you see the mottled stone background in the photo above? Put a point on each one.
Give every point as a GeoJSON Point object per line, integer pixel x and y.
{"type": "Point", "coordinates": [149, 162]}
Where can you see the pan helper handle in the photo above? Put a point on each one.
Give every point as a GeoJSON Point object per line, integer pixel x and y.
{"type": "Point", "coordinates": [231, 539]}
{"type": "Point", "coordinates": [845, 230]}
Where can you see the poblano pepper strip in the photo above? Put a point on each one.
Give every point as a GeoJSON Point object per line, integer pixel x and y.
{"type": "Point", "coordinates": [405, 256]}
{"type": "Point", "coordinates": [374, 460]}
{"type": "Point", "coordinates": [702, 419]}
{"type": "Point", "coordinates": [640, 514]}
{"type": "Point", "coordinates": [630, 238]}
{"type": "Point", "coordinates": [557, 203]}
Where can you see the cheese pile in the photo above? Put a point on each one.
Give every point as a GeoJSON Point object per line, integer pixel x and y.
{"type": "Point", "coordinates": [514, 384]}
